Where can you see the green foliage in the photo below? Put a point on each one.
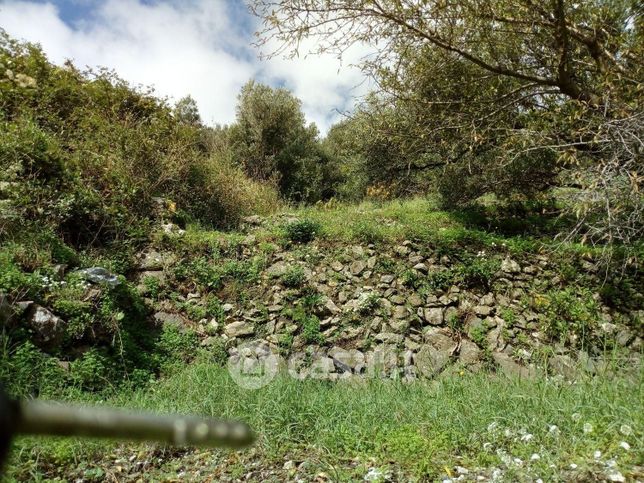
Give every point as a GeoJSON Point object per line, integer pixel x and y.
{"type": "Point", "coordinates": [294, 276]}
{"type": "Point", "coordinates": [175, 345]}
{"type": "Point", "coordinates": [272, 142]}
{"type": "Point", "coordinates": [571, 311]}
{"type": "Point", "coordinates": [84, 154]}
{"type": "Point", "coordinates": [302, 231]}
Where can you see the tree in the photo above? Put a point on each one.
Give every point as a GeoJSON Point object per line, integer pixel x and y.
{"type": "Point", "coordinates": [187, 112]}
{"type": "Point", "coordinates": [271, 140]}
{"type": "Point", "coordinates": [538, 80]}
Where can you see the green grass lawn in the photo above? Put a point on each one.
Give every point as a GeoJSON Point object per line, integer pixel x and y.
{"type": "Point", "coordinates": [525, 429]}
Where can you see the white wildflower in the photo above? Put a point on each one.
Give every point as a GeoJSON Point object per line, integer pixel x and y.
{"type": "Point", "coordinates": [507, 433]}
{"type": "Point", "coordinates": [517, 461]}
{"type": "Point", "coordinates": [526, 437]}
{"type": "Point", "coordinates": [624, 445]}
{"type": "Point", "coordinates": [573, 466]}
{"type": "Point", "coordinates": [597, 454]}
{"type": "Point", "coordinates": [487, 446]}
{"type": "Point", "coordinates": [576, 417]}
{"type": "Point", "coordinates": [625, 429]}
{"type": "Point", "coordinates": [535, 457]}
{"type": "Point", "coordinates": [492, 426]}
{"type": "Point", "coordinates": [611, 463]}
{"type": "Point", "coordinates": [588, 428]}
{"type": "Point", "coordinates": [462, 471]}
{"type": "Point", "coordinates": [553, 430]}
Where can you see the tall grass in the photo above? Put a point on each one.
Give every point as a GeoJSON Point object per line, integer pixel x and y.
{"type": "Point", "coordinates": [471, 420]}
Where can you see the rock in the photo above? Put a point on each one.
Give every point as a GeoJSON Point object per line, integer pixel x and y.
{"type": "Point", "coordinates": [436, 353]}
{"type": "Point", "coordinates": [172, 229]}
{"type": "Point", "coordinates": [48, 329]}
{"type": "Point", "coordinates": [400, 312]}
{"type": "Point", "coordinates": [328, 307]}
{"type": "Point", "coordinates": [421, 267]}
{"type": "Point", "coordinates": [415, 300]}
{"type": "Point", "coordinates": [397, 299]}
{"type": "Point", "coordinates": [434, 315]}
{"type": "Point", "coordinates": [337, 266]}
{"type": "Point", "coordinates": [154, 260]}
{"type": "Point", "coordinates": [382, 361]}
{"type": "Point", "coordinates": [624, 337]}
{"type": "Point", "coordinates": [387, 279]}
{"type": "Point", "coordinates": [487, 299]}
{"type": "Point", "coordinates": [469, 354]}
{"type": "Point", "coordinates": [371, 263]}
{"type": "Point", "coordinates": [239, 329]}
{"type": "Point", "coordinates": [563, 365]}
{"type": "Point", "coordinates": [389, 338]}
{"type": "Point", "coordinates": [166, 318]}
{"type": "Point", "coordinates": [402, 250]}
{"type": "Point", "coordinates": [227, 308]}
{"type": "Point", "coordinates": [277, 269]}
{"type": "Point", "coordinates": [399, 325]}
{"type": "Point", "coordinates": [508, 367]}
{"type": "Point", "coordinates": [483, 310]}
{"type": "Point", "coordinates": [510, 266]}
{"type": "Point", "coordinates": [352, 359]}
{"type": "Point", "coordinates": [357, 267]}
{"type": "Point", "coordinates": [99, 275]}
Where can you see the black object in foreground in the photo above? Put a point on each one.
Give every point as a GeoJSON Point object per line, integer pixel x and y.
{"type": "Point", "coordinates": [57, 419]}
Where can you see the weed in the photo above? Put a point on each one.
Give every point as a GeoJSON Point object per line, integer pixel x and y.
{"type": "Point", "coordinates": [294, 277]}
{"type": "Point", "coordinates": [302, 231]}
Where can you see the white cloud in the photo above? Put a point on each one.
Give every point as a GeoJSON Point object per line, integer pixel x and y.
{"type": "Point", "coordinates": [195, 48]}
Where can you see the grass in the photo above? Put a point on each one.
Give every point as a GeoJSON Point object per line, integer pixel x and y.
{"type": "Point", "coordinates": [424, 429]}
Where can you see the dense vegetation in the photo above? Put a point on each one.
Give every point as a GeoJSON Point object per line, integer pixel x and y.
{"type": "Point", "coordinates": [506, 132]}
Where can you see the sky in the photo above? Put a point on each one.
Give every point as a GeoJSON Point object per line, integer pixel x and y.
{"type": "Point", "coordinates": [201, 48]}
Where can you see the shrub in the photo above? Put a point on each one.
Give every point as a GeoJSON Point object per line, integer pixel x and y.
{"type": "Point", "coordinates": [294, 277]}
{"type": "Point", "coordinates": [302, 231]}
{"type": "Point", "coordinates": [570, 311]}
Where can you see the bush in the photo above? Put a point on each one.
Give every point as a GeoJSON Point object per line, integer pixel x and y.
{"type": "Point", "coordinates": [302, 231]}
{"type": "Point", "coordinates": [294, 277]}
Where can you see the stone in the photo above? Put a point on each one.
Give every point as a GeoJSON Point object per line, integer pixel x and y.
{"type": "Point", "coordinates": [399, 325]}
{"type": "Point", "coordinates": [436, 353]}
{"type": "Point", "coordinates": [227, 308]}
{"type": "Point", "coordinates": [415, 300]}
{"type": "Point", "coordinates": [99, 275]}
{"type": "Point", "coordinates": [483, 310]}
{"type": "Point", "coordinates": [510, 266]}
{"type": "Point", "coordinates": [469, 353]}
{"type": "Point", "coordinates": [277, 269]}
{"type": "Point", "coordinates": [389, 338]}
{"type": "Point", "coordinates": [509, 367]}
{"type": "Point", "coordinates": [387, 279]}
{"type": "Point", "coordinates": [434, 315]}
{"type": "Point", "coordinates": [337, 266]}
{"type": "Point", "coordinates": [421, 267]}
{"type": "Point", "coordinates": [487, 299]}
{"type": "Point", "coordinates": [166, 318]}
{"type": "Point", "coordinates": [400, 312]}
{"type": "Point", "coordinates": [48, 329]}
{"type": "Point", "coordinates": [563, 365]}
{"type": "Point", "coordinates": [154, 260]}
{"type": "Point", "coordinates": [357, 267]}
{"type": "Point", "coordinates": [351, 359]}
{"type": "Point", "coordinates": [371, 263]}
{"type": "Point", "coordinates": [397, 299]}
{"type": "Point", "coordinates": [238, 329]}
{"type": "Point", "coordinates": [382, 361]}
